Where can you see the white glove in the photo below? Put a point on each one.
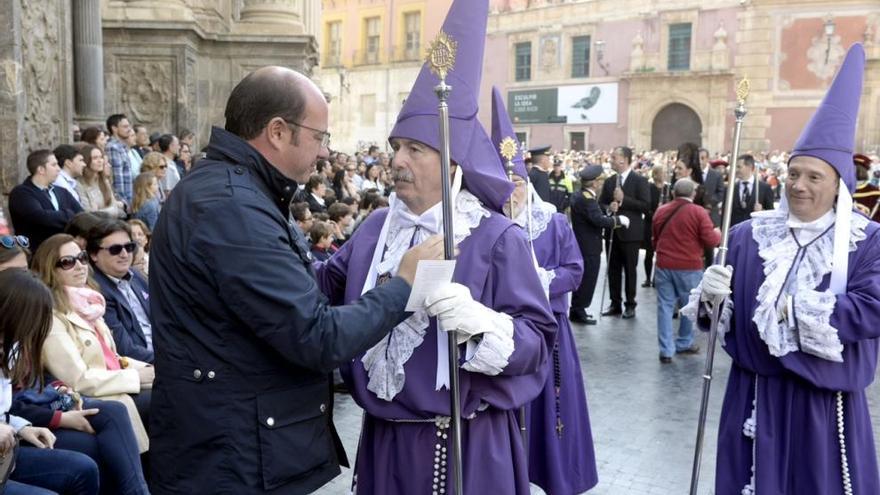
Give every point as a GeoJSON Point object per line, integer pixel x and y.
{"type": "Point", "coordinates": [456, 310]}
{"type": "Point", "coordinates": [624, 221]}
{"type": "Point", "coordinates": [716, 283]}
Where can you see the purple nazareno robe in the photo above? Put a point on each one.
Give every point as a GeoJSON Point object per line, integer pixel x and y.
{"type": "Point", "coordinates": [561, 456]}
{"type": "Point", "coordinates": [398, 457]}
{"type": "Point", "coordinates": [798, 449]}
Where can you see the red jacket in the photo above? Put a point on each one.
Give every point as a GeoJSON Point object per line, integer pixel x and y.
{"type": "Point", "coordinates": [681, 244]}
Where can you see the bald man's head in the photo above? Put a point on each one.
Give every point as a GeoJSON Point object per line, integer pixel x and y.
{"type": "Point", "coordinates": [266, 93]}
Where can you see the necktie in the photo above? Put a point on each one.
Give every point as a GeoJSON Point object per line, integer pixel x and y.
{"type": "Point", "coordinates": [746, 194]}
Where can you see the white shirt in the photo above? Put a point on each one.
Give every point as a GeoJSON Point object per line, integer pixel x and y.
{"type": "Point", "coordinates": [65, 181]}
{"type": "Point", "coordinates": [806, 232]}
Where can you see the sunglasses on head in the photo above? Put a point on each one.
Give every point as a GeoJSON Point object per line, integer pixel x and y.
{"type": "Point", "coordinates": [116, 249]}
{"type": "Point", "coordinates": [9, 241]}
{"type": "Point", "coordinates": [68, 262]}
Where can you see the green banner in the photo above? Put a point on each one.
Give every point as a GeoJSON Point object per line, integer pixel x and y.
{"type": "Point", "coordinates": [533, 106]}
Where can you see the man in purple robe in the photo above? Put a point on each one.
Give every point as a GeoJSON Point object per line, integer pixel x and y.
{"type": "Point", "coordinates": [561, 457]}
{"type": "Point", "coordinates": [802, 330]}
{"type": "Point", "coordinates": [497, 306]}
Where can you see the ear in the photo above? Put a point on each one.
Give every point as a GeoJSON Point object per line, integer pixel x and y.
{"type": "Point", "coordinates": [276, 131]}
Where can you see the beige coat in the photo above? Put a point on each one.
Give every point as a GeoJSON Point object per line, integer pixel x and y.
{"type": "Point", "coordinates": [73, 355]}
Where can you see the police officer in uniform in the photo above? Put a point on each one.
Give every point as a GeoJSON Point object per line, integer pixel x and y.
{"type": "Point", "coordinates": [539, 175]}
{"type": "Point", "coordinates": [588, 221]}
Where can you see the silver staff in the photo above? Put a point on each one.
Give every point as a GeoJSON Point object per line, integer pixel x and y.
{"type": "Point", "coordinates": [742, 92]}
{"type": "Point", "coordinates": [508, 150]}
{"type": "Point", "coordinates": [441, 60]}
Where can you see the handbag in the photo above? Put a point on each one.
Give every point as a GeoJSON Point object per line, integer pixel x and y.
{"type": "Point", "coordinates": [49, 397]}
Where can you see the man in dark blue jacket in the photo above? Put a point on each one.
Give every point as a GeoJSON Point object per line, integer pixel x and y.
{"type": "Point", "coordinates": [111, 250]}
{"type": "Point", "coordinates": [38, 209]}
{"type": "Point", "coordinates": [244, 338]}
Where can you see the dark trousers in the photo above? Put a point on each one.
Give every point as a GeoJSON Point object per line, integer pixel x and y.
{"type": "Point", "coordinates": [624, 260]}
{"type": "Point", "coordinates": [50, 471]}
{"type": "Point", "coordinates": [583, 296]}
{"type": "Point", "coordinates": [649, 262]}
{"type": "Point", "coordinates": [113, 446]}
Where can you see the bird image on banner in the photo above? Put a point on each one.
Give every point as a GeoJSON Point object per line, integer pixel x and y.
{"type": "Point", "coordinates": [588, 102]}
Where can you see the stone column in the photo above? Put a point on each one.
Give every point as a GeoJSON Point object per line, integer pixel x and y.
{"type": "Point", "coordinates": [271, 12]}
{"type": "Point", "coordinates": [88, 61]}
{"type": "Point", "coordinates": [12, 100]}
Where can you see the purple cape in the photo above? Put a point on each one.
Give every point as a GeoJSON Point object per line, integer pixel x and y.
{"type": "Point", "coordinates": [561, 462]}
{"type": "Point", "coordinates": [395, 457]}
{"type": "Point", "coordinates": [797, 447]}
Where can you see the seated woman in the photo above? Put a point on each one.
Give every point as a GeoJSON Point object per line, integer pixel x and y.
{"type": "Point", "coordinates": [80, 350]}
{"type": "Point", "coordinates": [140, 234]}
{"type": "Point", "coordinates": [25, 320]}
{"type": "Point", "coordinates": [145, 205]}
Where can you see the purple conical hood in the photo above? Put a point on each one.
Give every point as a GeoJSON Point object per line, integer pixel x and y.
{"type": "Point", "coordinates": [470, 146]}
{"type": "Point", "coordinates": [502, 128]}
{"type": "Point", "coordinates": [830, 134]}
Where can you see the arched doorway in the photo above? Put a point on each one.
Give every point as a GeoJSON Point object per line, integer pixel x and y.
{"type": "Point", "coordinates": [675, 124]}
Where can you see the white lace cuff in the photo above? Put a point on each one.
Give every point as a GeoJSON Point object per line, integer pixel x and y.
{"type": "Point", "coordinates": [812, 311]}
{"type": "Point", "coordinates": [489, 352]}
{"type": "Point", "coordinates": [695, 309]}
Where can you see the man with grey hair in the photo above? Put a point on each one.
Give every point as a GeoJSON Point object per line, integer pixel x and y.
{"type": "Point", "coordinates": [681, 231]}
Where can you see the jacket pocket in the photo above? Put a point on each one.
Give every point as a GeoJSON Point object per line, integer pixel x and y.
{"type": "Point", "coordinates": [294, 433]}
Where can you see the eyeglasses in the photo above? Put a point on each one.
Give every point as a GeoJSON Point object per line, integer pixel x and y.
{"type": "Point", "coordinates": [116, 249]}
{"type": "Point", "coordinates": [9, 241]}
{"type": "Point", "coordinates": [325, 136]}
{"type": "Point", "coordinates": [68, 262]}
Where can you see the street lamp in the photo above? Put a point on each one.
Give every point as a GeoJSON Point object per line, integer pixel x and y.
{"type": "Point", "coordinates": [829, 33]}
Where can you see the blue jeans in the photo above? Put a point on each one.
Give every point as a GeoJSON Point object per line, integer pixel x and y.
{"type": "Point", "coordinates": [674, 286]}
{"type": "Point", "coordinates": [53, 471]}
{"type": "Point", "coordinates": [113, 446]}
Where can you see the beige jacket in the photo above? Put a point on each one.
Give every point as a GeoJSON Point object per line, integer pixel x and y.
{"type": "Point", "coordinates": [91, 199]}
{"type": "Point", "coordinates": [72, 354]}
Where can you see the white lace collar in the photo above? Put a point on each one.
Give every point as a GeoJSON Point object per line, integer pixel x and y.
{"type": "Point", "coordinates": [384, 362]}
{"type": "Point", "coordinates": [536, 216]}
{"type": "Point", "coordinates": [779, 251]}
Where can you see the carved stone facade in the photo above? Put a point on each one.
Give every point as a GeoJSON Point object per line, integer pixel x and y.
{"type": "Point", "coordinates": [167, 64]}
{"type": "Point", "coordinates": [172, 75]}
{"type": "Point", "coordinates": [35, 82]}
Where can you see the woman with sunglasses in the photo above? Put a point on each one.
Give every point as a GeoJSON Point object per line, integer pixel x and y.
{"type": "Point", "coordinates": [14, 252]}
{"type": "Point", "coordinates": [40, 469]}
{"type": "Point", "coordinates": [80, 350]}
{"type": "Point", "coordinates": [154, 162]}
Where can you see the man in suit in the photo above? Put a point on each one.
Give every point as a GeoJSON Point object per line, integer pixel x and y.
{"type": "Point", "coordinates": [588, 221]}
{"type": "Point", "coordinates": [111, 251]}
{"type": "Point", "coordinates": [539, 175]}
{"type": "Point", "coordinates": [744, 196]}
{"type": "Point", "coordinates": [630, 194]}
{"type": "Point", "coordinates": [37, 208]}
{"type": "Point", "coordinates": [713, 197]}
{"type": "Point", "coordinates": [713, 185]}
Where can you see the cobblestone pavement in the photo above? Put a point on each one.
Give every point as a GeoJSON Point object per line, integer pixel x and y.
{"type": "Point", "coordinates": [643, 414]}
